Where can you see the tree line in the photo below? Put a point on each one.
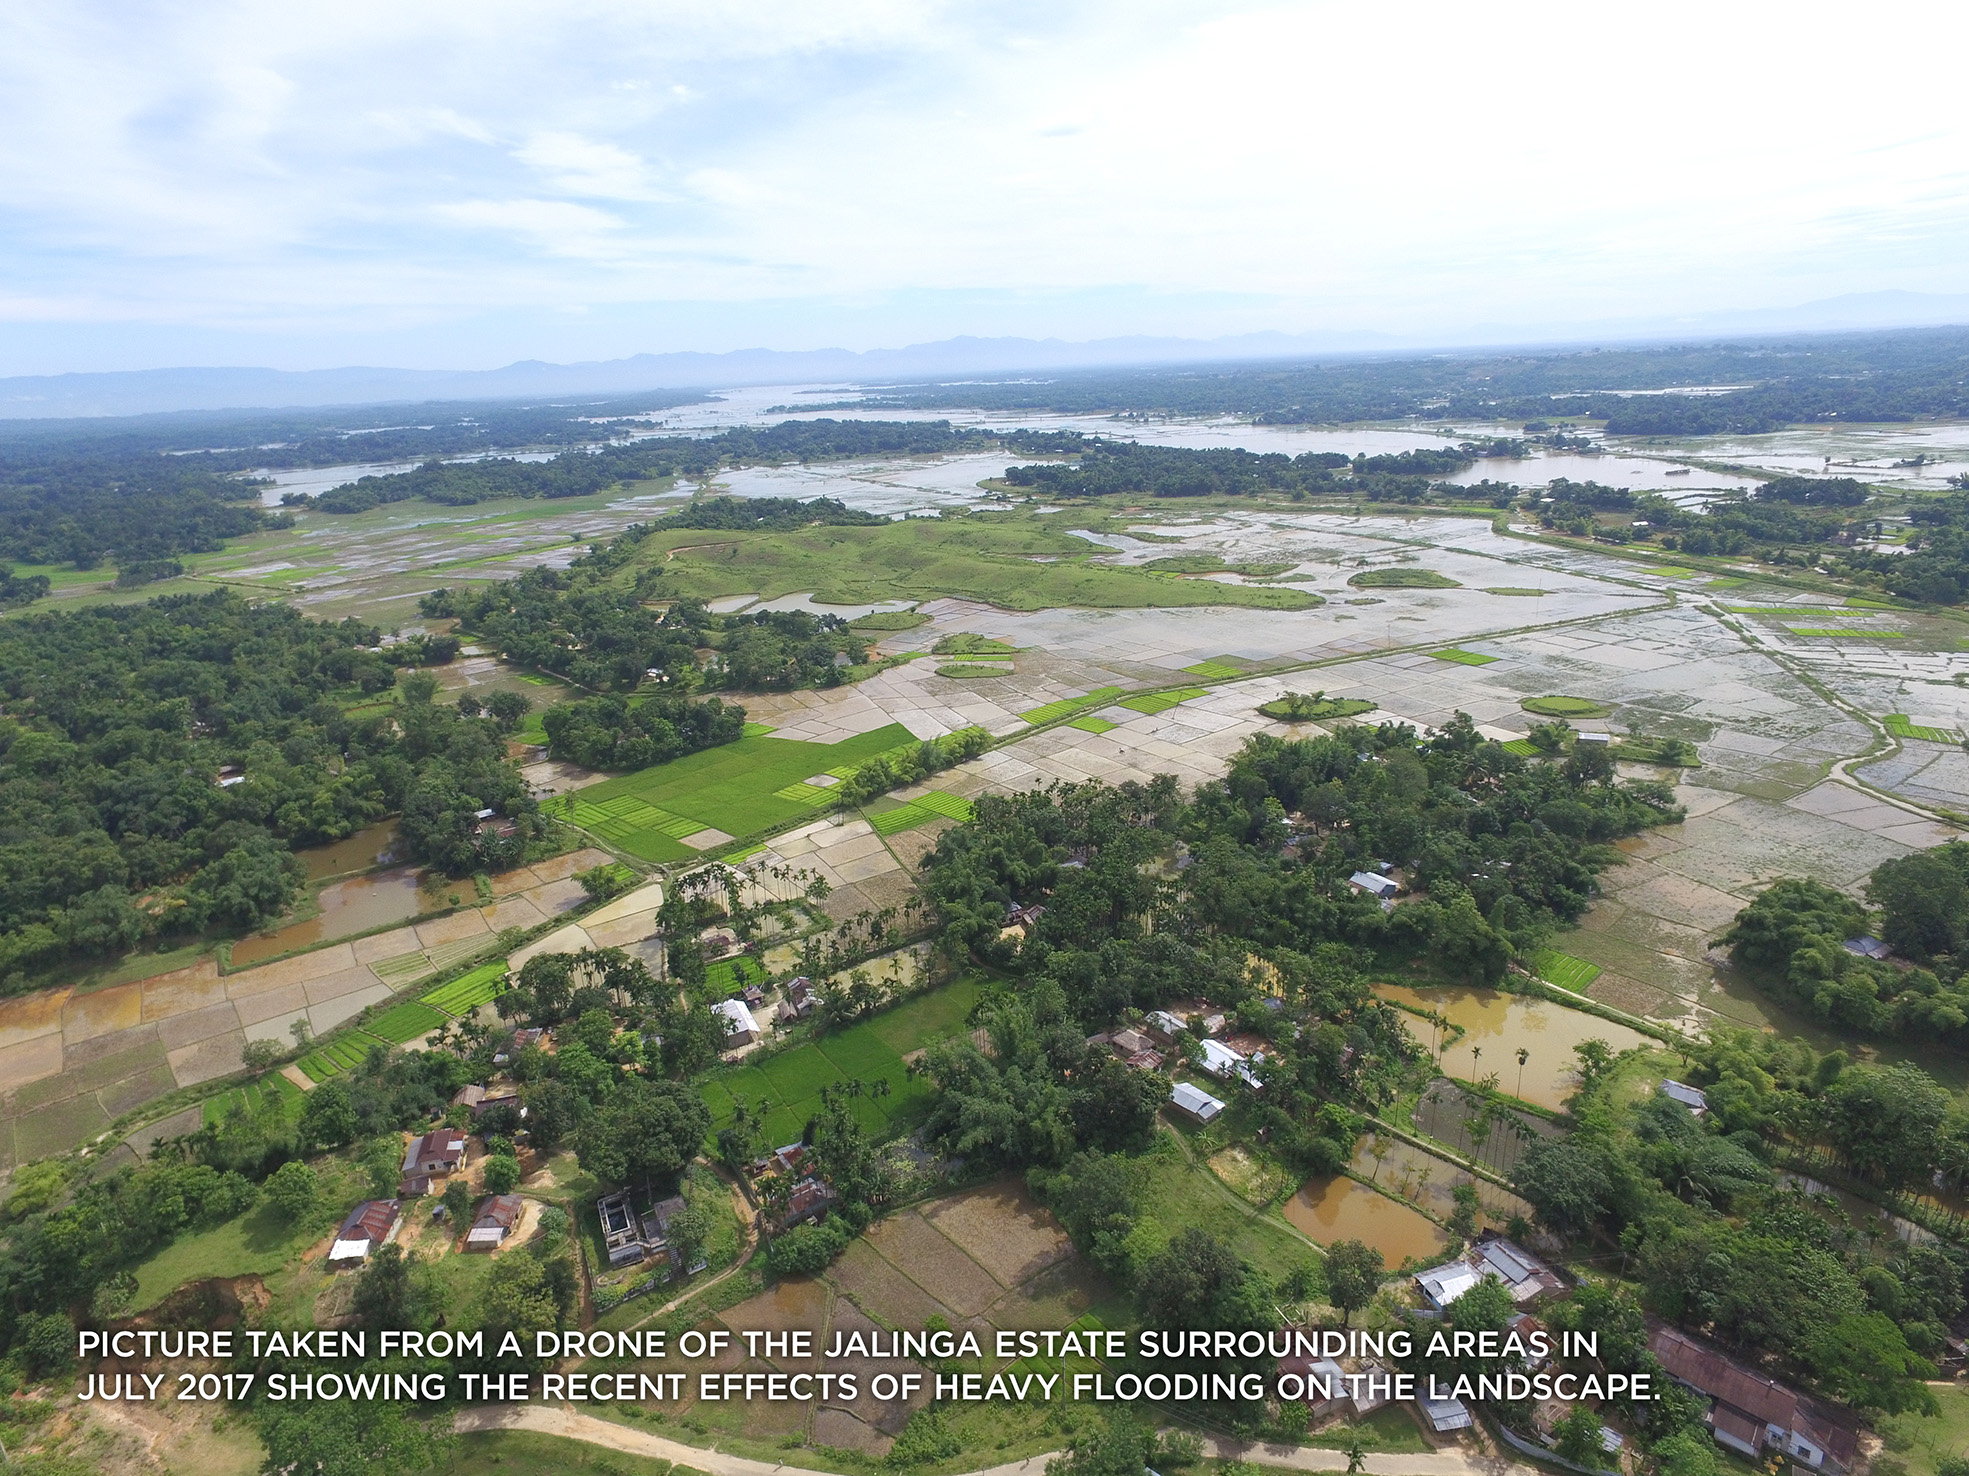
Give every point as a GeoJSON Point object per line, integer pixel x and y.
{"type": "Point", "coordinates": [119, 723]}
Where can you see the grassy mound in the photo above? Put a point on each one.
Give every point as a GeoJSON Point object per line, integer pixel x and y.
{"type": "Point", "coordinates": [1212, 564]}
{"type": "Point", "coordinates": [1402, 579]}
{"type": "Point", "coordinates": [1313, 707]}
{"type": "Point", "coordinates": [1557, 705]}
{"type": "Point", "coordinates": [968, 643]}
{"type": "Point", "coordinates": [889, 620]}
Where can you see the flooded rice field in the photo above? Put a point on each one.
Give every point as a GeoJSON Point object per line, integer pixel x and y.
{"type": "Point", "coordinates": [358, 905]}
{"type": "Point", "coordinates": [1498, 1027]}
{"type": "Point", "coordinates": [1341, 1209]}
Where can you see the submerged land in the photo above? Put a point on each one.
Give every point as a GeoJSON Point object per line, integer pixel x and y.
{"type": "Point", "coordinates": [1027, 755]}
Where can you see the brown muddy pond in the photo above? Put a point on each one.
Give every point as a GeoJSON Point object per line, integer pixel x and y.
{"type": "Point", "coordinates": [347, 907]}
{"type": "Point", "coordinates": [372, 846]}
{"type": "Point", "coordinates": [1340, 1209]}
{"type": "Point", "coordinates": [1496, 1026]}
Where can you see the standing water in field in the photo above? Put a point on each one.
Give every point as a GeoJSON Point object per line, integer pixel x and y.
{"type": "Point", "coordinates": [1341, 1209]}
{"type": "Point", "coordinates": [1496, 1026]}
{"type": "Point", "coordinates": [358, 905]}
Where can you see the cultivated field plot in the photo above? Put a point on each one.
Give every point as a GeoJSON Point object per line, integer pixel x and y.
{"type": "Point", "coordinates": [1564, 970]}
{"type": "Point", "coordinates": [789, 1083]}
{"type": "Point", "coordinates": [734, 789]}
{"type": "Point", "coordinates": [987, 1258]}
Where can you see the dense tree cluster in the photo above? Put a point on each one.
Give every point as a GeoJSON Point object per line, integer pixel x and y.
{"type": "Point", "coordinates": [614, 732]}
{"type": "Point", "coordinates": [1721, 1246]}
{"type": "Point", "coordinates": [1793, 938]}
{"type": "Point", "coordinates": [119, 722]}
{"type": "Point", "coordinates": [1935, 564]}
{"type": "Point", "coordinates": [1860, 377]}
{"type": "Point", "coordinates": [1502, 848]}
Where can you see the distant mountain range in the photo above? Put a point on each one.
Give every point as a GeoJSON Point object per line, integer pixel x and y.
{"type": "Point", "coordinates": [150, 391]}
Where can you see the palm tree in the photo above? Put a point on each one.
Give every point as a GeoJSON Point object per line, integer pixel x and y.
{"type": "Point", "coordinates": [1476, 1055]}
{"type": "Point", "coordinates": [1523, 1056]}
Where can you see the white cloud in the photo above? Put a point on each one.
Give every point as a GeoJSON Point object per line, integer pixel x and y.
{"type": "Point", "coordinates": [1325, 164]}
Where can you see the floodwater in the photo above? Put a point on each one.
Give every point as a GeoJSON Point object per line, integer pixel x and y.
{"type": "Point", "coordinates": [1497, 1026]}
{"type": "Point", "coordinates": [1426, 1181]}
{"type": "Point", "coordinates": [312, 481]}
{"type": "Point", "coordinates": [1341, 1209]}
{"type": "Point", "coordinates": [347, 907]}
{"type": "Point", "coordinates": [374, 845]}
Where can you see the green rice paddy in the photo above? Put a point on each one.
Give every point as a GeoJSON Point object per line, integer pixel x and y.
{"type": "Point", "coordinates": [1088, 723]}
{"type": "Point", "coordinates": [1054, 711]}
{"type": "Point", "coordinates": [468, 991]}
{"type": "Point", "coordinates": [1898, 724]}
{"type": "Point", "coordinates": [739, 788]}
{"type": "Point", "coordinates": [1866, 635]}
{"type": "Point", "coordinates": [407, 1021]}
{"type": "Point", "coordinates": [1215, 671]}
{"type": "Point", "coordinates": [1153, 702]}
{"type": "Point", "coordinates": [920, 811]}
{"type": "Point", "coordinates": [1564, 970]}
{"type": "Point", "coordinates": [1463, 658]}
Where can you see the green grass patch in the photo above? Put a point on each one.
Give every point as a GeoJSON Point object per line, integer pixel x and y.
{"type": "Point", "coordinates": [1178, 1195]}
{"type": "Point", "coordinates": [968, 643]}
{"type": "Point", "coordinates": [1212, 564]}
{"type": "Point", "coordinates": [525, 1453]}
{"type": "Point", "coordinates": [1558, 705]}
{"type": "Point", "coordinates": [1670, 572]}
{"type": "Point", "coordinates": [1053, 711]}
{"type": "Point", "coordinates": [970, 671]}
{"type": "Point", "coordinates": [1564, 970]}
{"type": "Point", "coordinates": [889, 620]}
{"type": "Point", "coordinates": [1922, 1441]}
{"type": "Point", "coordinates": [757, 730]}
{"type": "Point", "coordinates": [1402, 578]}
{"type": "Point", "coordinates": [1854, 602]}
{"type": "Point", "coordinates": [1515, 591]}
{"type": "Point", "coordinates": [258, 1242]}
{"type": "Point", "coordinates": [468, 991]}
{"type": "Point", "coordinates": [1088, 723]}
{"type": "Point", "coordinates": [1643, 749]}
{"type": "Point", "coordinates": [1462, 657]}
{"type": "Point", "coordinates": [1845, 634]}
{"type": "Point", "coordinates": [1522, 747]}
{"type": "Point", "coordinates": [1898, 724]}
{"type": "Point", "coordinates": [738, 787]}
{"type": "Point", "coordinates": [1215, 671]}
{"type": "Point", "coordinates": [404, 1022]}
{"type": "Point", "coordinates": [1013, 560]}
{"type": "Point", "coordinates": [1151, 703]}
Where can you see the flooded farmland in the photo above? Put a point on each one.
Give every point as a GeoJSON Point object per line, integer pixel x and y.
{"type": "Point", "coordinates": [1496, 1026]}
{"type": "Point", "coordinates": [358, 905]}
{"type": "Point", "coordinates": [372, 846]}
{"type": "Point", "coordinates": [1339, 1208]}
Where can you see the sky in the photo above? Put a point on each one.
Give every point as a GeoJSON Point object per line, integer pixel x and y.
{"type": "Point", "coordinates": [440, 185]}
